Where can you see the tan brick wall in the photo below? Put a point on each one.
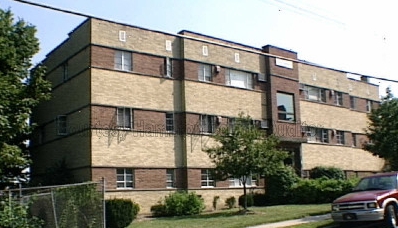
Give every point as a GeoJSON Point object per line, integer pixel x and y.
{"type": "Point", "coordinates": [336, 80]}
{"type": "Point", "coordinates": [48, 154]}
{"type": "Point", "coordinates": [131, 90]}
{"type": "Point", "coordinates": [219, 100]}
{"type": "Point", "coordinates": [66, 98]}
{"type": "Point", "coordinates": [141, 40]}
{"type": "Point", "coordinates": [332, 117]}
{"type": "Point", "coordinates": [148, 198]}
{"type": "Point", "coordinates": [196, 157]}
{"type": "Point", "coordinates": [223, 56]}
{"type": "Point", "coordinates": [135, 149]}
{"type": "Point", "coordinates": [77, 39]}
{"type": "Point", "coordinates": [343, 157]}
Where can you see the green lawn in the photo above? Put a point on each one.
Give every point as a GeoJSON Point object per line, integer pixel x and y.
{"type": "Point", "coordinates": [231, 218]}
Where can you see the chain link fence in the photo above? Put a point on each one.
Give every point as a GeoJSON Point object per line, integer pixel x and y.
{"type": "Point", "coordinates": [66, 206]}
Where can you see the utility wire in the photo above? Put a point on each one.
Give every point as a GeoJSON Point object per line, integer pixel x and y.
{"type": "Point", "coordinates": [266, 54]}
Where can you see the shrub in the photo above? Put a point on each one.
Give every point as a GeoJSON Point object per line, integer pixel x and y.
{"type": "Point", "coordinates": [250, 201]}
{"type": "Point", "coordinates": [215, 201]}
{"type": "Point", "coordinates": [120, 212]}
{"type": "Point", "coordinates": [230, 202]}
{"type": "Point", "coordinates": [179, 203]}
{"type": "Point", "coordinates": [278, 185]}
{"type": "Point", "coordinates": [20, 216]}
{"type": "Point", "coordinates": [320, 190]}
{"type": "Point", "coordinates": [259, 199]}
{"type": "Point", "coordinates": [327, 172]}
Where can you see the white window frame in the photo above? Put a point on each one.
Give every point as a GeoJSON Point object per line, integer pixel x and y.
{"type": "Point", "coordinates": [239, 79]}
{"type": "Point", "coordinates": [168, 45]}
{"type": "Point", "coordinates": [207, 124]}
{"type": "Point", "coordinates": [170, 178]}
{"type": "Point", "coordinates": [62, 125]}
{"type": "Point", "coordinates": [338, 98]}
{"type": "Point", "coordinates": [237, 58]}
{"type": "Point", "coordinates": [319, 135]}
{"type": "Point", "coordinates": [170, 122]}
{"type": "Point", "coordinates": [127, 184]}
{"type": "Point", "coordinates": [353, 102]}
{"type": "Point", "coordinates": [368, 105]}
{"type": "Point", "coordinates": [207, 180]}
{"type": "Point", "coordinates": [168, 69]}
{"type": "Point", "coordinates": [123, 60]}
{"type": "Point", "coordinates": [340, 137]}
{"type": "Point", "coordinates": [314, 94]}
{"type": "Point", "coordinates": [205, 73]}
{"type": "Point", "coordinates": [126, 112]}
{"type": "Point", "coordinates": [236, 182]}
{"type": "Point", "coordinates": [122, 35]}
{"type": "Point", "coordinates": [205, 50]}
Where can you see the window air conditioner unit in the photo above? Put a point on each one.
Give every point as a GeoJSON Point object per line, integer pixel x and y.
{"type": "Point", "coordinates": [261, 77]}
{"type": "Point", "coordinates": [264, 124]}
{"type": "Point", "coordinates": [217, 69]}
{"type": "Point", "coordinates": [331, 92]}
{"type": "Point", "coordinates": [301, 86]}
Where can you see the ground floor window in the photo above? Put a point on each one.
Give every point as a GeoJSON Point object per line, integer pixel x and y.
{"type": "Point", "coordinates": [207, 179]}
{"type": "Point", "coordinates": [125, 178]}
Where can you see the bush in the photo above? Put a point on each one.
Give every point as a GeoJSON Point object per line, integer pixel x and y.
{"type": "Point", "coordinates": [120, 212]}
{"type": "Point", "coordinates": [20, 216]}
{"type": "Point", "coordinates": [179, 203]}
{"type": "Point", "coordinates": [230, 202]}
{"type": "Point", "coordinates": [327, 172]}
{"type": "Point", "coordinates": [259, 199]}
{"type": "Point", "coordinates": [278, 186]}
{"type": "Point", "coordinates": [250, 201]}
{"type": "Point", "coordinates": [320, 190]}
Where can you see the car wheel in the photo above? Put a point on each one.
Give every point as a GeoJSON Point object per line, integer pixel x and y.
{"type": "Point", "coordinates": [391, 217]}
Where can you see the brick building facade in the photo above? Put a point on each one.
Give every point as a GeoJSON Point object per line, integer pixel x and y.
{"type": "Point", "coordinates": [137, 106]}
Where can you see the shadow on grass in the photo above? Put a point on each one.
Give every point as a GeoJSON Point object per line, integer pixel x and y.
{"type": "Point", "coordinates": [208, 215]}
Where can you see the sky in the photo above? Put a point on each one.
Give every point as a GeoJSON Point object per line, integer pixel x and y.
{"type": "Point", "coordinates": [358, 36]}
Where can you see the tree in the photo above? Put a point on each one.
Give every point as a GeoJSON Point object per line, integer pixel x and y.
{"type": "Point", "coordinates": [244, 151]}
{"type": "Point", "coordinates": [20, 91]}
{"type": "Point", "coordinates": [382, 131]}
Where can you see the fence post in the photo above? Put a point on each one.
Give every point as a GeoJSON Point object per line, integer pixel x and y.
{"type": "Point", "coordinates": [103, 202]}
{"type": "Point", "coordinates": [54, 210]}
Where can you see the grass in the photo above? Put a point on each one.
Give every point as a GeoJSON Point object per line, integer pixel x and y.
{"type": "Point", "coordinates": [232, 218]}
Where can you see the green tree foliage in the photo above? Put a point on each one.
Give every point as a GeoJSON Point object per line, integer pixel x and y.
{"type": "Point", "coordinates": [14, 214]}
{"type": "Point", "coordinates": [243, 151]}
{"type": "Point", "coordinates": [383, 131]}
{"type": "Point", "coordinates": [278, 185]}
{"type": "Point", "coordinates": [20, 92]}
{"type": "Point", "coordinates": [120, 212]}
{"type": "Point", "coordinates": [327, 172]}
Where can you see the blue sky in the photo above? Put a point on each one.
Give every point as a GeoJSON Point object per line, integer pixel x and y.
{"type": "Point", "coordinates": [358, 36]}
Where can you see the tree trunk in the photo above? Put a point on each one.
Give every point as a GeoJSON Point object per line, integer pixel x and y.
{"type": "Point", "coordinates": [244, 196]}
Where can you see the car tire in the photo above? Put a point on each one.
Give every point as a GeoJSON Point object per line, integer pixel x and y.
{"type": "Point", "coordinates": [391, 216]}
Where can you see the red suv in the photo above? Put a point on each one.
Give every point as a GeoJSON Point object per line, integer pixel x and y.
{"type": "Point", "coordinates": [374, 198]}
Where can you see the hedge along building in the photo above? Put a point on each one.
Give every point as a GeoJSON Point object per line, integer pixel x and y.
{"type": "Point", "coordinates": [138, 106]}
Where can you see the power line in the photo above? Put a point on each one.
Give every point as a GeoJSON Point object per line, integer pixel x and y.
{"type": "Point", "coordinates": [266, 54]}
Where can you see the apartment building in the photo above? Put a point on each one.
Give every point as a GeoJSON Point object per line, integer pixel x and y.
{"type": "Point", "coordinates": [137, 107]}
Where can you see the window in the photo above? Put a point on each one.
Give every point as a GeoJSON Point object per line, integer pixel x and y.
{"type": "Point", "coordinates": [237, 59]}
{"type": "Point", "coordinates": [236, 182]}
{"type": "Point", "coordinates": [317, 134]}
{"type": "Point", "coordinates": [170, 175]}
{"type": "Point", "coordinates": [168, 45]}
{"type": "Point", "coordinates": [368, 105]}
{"type": "Point", "coordinates": [65, 71]}
{"type": "Point", "coordinates": [61, 125]}
{"type": "Point", "coordinates": [207, 124]}
{"type": "Point", "coordinates": [205, 51]}
{"type": "Point", "coordinates": [170, 122]}
{"type": "Point", "coordinates": [340, 137]}
{"type": "Point", "coordinates": [207, 179]}
{"type": "Point", "coordinates": [354, 139]}
{"type": "Point", "coordinates": [353, 102]}
{"type": "Point", "coordinates": [231, 124]}
{"type": "Point", "coordinates": [314, 94]}
{"type": "Point", "coordinates": [338, 98]}
{"type": "Point", "coordinates": [122, 35]}
{"type": "Point", "coordinates": [123, 60]}
{"type": "Point", "coordinates": [124, 118]}
{"type": "Point", "coordinates": [125, 178]}
{"type": "Point", "coordinates": [204, 73]}
{"type": "Point", "coordinates": [168, 70]}
{"type": "Point", "coordinates": [285, 103]}
{"type": "Point", "coordinates": [239, 79]}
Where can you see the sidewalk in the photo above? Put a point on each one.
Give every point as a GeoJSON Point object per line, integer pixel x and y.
{"type": "Point", "coordinates": [294, 222]}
